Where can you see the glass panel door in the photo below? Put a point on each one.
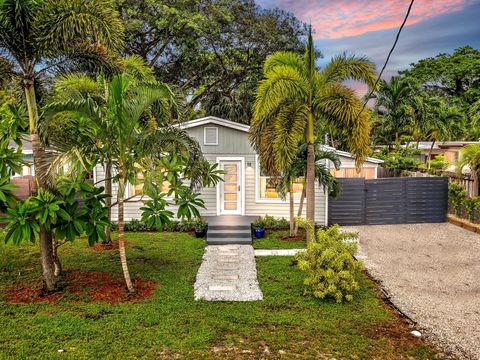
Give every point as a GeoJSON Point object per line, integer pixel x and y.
{"type": "Point", "coordinates": [231, 188]}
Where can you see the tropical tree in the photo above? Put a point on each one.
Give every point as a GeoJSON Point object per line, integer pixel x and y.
{"type": "Point", "coordinates": [39, 36]}
{"type": "Point", "coordinates": [393, 105]}
{"type": "Point", "coordinates": [298, 169]}
{"type": "Point", "coordinates": [135, 145]}
{"type": "Point", "coordinates": [294, 96]}
{"type": "Point", "coordinates": [98, 137]}
{"type": "Point", "coordinates": [470, 156]}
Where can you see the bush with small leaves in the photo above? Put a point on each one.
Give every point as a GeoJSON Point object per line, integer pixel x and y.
{"type": "Point", "coordinates": [331, 269]}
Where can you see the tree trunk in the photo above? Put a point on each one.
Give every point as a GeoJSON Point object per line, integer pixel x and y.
{"type": "Point", "coordinates": [45, 237]}
{"type": "Point", "coordinates": [300, 209]}
{"type": "Point", "coordinates": [430, 154]}
{"type": "Point", "coordinates": [56, 259]}
{"type": "Point", "coordinates": [292, 208]}
{"type": "Point", "coordinates": [310, 173]}
{"type": "Point", "coordinates": [108, 200]}
{"type": "Point", "coordinates": [121, 240]}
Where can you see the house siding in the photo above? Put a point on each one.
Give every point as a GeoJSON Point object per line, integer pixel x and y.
{"type": "Point", "coordinates": [231, 143]}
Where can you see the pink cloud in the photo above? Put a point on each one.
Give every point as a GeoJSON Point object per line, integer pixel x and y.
{"type": "Point", "coordinates": [341, 18]}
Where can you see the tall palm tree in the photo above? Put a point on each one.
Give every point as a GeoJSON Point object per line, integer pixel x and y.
{"type": "Point", "coordinates": [470, 156]}
{"type": "Point", "coordinates": [126, 112]}
{"type": "Point", "coordinates": [36, 36]}
{"type": "Point", "coordinates": [294, 96]}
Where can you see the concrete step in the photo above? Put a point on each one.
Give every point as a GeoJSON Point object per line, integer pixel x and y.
{"type": "Point", "coordinates": [229, 240]}
{"type": "Point", "coordinates": [227, 234]}
{"type": "Point", "coordinates": [229, 227]}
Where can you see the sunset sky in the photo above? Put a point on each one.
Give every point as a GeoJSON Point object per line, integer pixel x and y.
{"type": "Point", "coordinates": [368, 27]}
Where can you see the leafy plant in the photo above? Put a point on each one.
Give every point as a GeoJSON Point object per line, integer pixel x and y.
{"type": "Point", "coordinates": [154, 213]}
{"type": "Point", "coordinates": [437, 165]}
{"type": "Point", "coordinates": [331, 269]}
{"type": "Point", "coordinates": [456, 197]}
{"type": "Point", "coordinates": [188, 203]}
{"type": "Point", "coordinates": [200, 224]}
{"type": "Point", "coordinates": [21, 223]}
{"type": "Point", "coordinates": [472, 207]}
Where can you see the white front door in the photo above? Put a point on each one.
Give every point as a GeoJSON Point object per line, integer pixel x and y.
{"type": "Point", "coordinates": [231, 187]}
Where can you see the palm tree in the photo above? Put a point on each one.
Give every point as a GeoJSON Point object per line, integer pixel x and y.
{"type": "Point", "coordinates": [126, 112]}
{"type": "Point", "coordinates": [445, 122]}
{"type": "Point", "coordinates": [36, 37]}
{"type": "Point", "coordinates": [294, 97]}
{"type": "Point", "coordinates": [96, 137]}
{"type": "Point", "coordinates": [470, 156]}
{"type": "Point", "coordinates": [298, 169]}
{"type": "Point", "coordinates": [393, 105]}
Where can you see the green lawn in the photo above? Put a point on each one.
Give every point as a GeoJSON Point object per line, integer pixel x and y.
{"type": "Point", "coordinates": [272, 241]}
{"type": "Point", "coordinates": [172, 324]}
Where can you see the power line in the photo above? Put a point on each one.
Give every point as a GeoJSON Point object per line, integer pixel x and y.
{"type": "Point", "coordinates": [388, 58]}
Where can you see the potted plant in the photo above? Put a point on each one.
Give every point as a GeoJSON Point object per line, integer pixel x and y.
{"type": "Point", "coordinates": [200, 227]}
{"type": "Point", "coordinates": [259, 228]}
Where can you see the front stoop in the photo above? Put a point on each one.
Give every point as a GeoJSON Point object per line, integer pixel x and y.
{"type": "Point", "coordinates": [229, 234]}
{"type": "Point", "coordinates": [228, 273]}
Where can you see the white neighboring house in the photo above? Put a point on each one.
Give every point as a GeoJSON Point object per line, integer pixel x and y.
{"type": "Point", "coordinates": [246, 189]}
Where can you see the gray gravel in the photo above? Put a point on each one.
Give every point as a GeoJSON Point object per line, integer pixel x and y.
{"type": "Point", "coordinates": [228, 273]}
{"type": "Point", "coordinates": [432, 273]}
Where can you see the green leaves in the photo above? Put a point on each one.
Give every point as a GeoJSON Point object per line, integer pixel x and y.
{"type": "Point", "coordinates": [154, 213]}
{"type": "Point", "coordinates": [188, 203]}
{"type": "Point", "coordinates": [21, 223]}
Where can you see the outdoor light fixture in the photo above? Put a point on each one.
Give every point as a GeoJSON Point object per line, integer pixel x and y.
{"type": "Point", "coordinates": [249, 164]}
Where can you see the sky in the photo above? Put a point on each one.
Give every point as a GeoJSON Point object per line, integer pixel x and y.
{"type": "Point", "coordinates": [368, 27]}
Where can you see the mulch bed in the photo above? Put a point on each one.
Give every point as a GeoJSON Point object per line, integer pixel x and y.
{"type": "Point", "coordinates": [293, 238]}
{"type": "Point", "coordinates": [84, 286]}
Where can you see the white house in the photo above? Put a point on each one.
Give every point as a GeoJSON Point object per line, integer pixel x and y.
{"type": "Point", "coordinates": [246, 189]}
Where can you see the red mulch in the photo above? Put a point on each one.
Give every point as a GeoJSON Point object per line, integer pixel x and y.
{"type": "Point", "coordinates": [84, 286]}
{"type": "Point", "coordinates": [102, 247]}
{"type": "Point", "coordinates": [293, 238]}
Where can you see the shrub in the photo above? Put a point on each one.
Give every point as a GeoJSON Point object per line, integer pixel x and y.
{"type": "Point", "coordinates": [437, 165]}
{"type": "Point", "coordinates": [271, 223]}
{"type": "Point", "coordinates": [456, 198]}
{"type": "Point", "coordinates": [331, 269]}
{"type": "Point", "coordinates": [472, 208]}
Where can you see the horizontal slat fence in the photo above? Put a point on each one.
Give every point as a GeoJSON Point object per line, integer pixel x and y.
{"type": "Point", "coordinates": [390, 201]}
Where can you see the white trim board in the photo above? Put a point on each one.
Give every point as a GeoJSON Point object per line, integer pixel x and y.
{"type": "Point", "coordinates": [213, 120]}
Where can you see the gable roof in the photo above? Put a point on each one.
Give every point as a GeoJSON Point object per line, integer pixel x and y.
{"type": "Point", "coordinates": [349, 155]}
{"type": "Point", "coordinates": [213, 120]}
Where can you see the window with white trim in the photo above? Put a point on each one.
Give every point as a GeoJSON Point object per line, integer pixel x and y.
{"type": "Point", "coordinates": [210, 135]}
{"type": "Point", "coordinates": [267, 186]}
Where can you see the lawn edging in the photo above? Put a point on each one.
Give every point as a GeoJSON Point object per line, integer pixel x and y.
{"type": "Point", "coordinates": [455, 220]}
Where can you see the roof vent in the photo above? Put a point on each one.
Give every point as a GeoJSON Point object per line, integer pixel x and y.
{"type": "Point", "coordinates": [210, 136]}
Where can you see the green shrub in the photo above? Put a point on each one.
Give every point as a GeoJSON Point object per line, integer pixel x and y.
{"type": "Point", "coordinates": [331, 269]}
{"type": "Point", "coordinates": [437, 165]}
{"type": "Point", "coordinates": [271, 223]}
{"type": "Point", "coordinates": [472, 208]}
{"type": "Point", "coordinates": [456, 198]}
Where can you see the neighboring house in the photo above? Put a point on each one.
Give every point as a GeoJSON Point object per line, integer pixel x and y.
{"type": "Point", "coordinates": [368, 170]}
{"type": "Point", "coordinates": [24, 181]}
{"type": "Point", "coordinates": [449, 149]}
{"type": "Point", "coordinates": [247, 189]}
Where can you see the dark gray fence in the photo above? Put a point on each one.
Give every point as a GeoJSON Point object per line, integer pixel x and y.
{"type": "Point", "coordinates": [390, 201]}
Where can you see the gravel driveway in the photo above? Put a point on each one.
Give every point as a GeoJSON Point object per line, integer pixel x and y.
{"type": "Point", "coordinates": [432, 273]}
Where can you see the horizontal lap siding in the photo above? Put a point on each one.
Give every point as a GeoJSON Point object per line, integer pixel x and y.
{"type": "Point", "coordinates": [390, 201]}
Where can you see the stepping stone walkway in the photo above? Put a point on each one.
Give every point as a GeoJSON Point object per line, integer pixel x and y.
{"type": "Point", "coordinates": [277, 252]}
{"type": "Point", "coordinates": [228, 273]}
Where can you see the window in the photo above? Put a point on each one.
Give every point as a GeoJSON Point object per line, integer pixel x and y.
{"type": "Point", "coordinates": [266, 187]}
{"type": "Point", "coordinates": [137, 188]}
{"type": "Point", "coordinates": [210, 136]}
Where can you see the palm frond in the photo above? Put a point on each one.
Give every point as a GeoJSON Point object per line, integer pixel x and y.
{"type": "Point", "coordinates": [282, 58]}
{"type": "Point", "coordinates": [344, 67]}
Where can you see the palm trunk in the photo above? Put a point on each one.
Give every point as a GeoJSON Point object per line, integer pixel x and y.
{"type": "Point", "coordinates": [300, 209]}
{"type": "Point", "coordinates": [108, 200]}
{"type": "Point", "coordinates": [121, 240]}
{"type": "Point", "coordinates": [292, 208]}
{"type": "Point", "coordinates": [310, 172]}
{"type": "Point", "coordinates": [430, 154]}
{"type": "Point", "coordinates": [45, 237]}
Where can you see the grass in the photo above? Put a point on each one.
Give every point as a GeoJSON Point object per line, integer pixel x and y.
{"type": "Point", "coordinates": [171, 324]}
{"type": "Point", "coordinates": [272, 241]}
